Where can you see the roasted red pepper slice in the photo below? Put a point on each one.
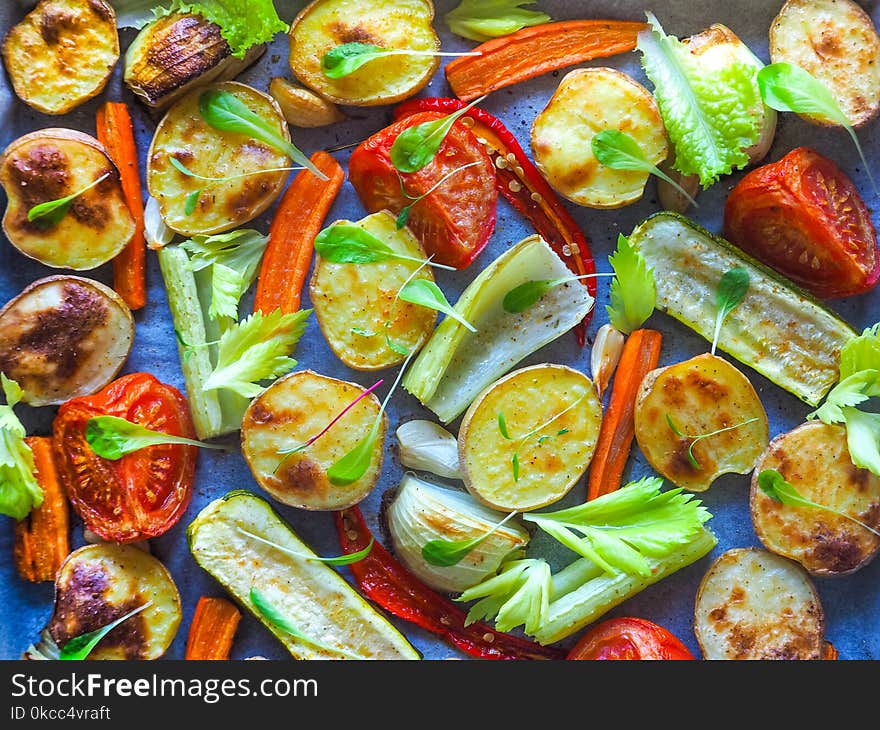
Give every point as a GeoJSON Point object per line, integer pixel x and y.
{"type": "Point", "coordinates": [383, 579]}
{"type": "Point", "coordinates": [524, 187]}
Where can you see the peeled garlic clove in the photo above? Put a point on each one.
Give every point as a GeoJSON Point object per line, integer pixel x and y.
{"type": "Point", "coordinates": [426, 446]}
{"type": "Point", "coordinates": [303, 107]}
{"type": "Point", "coordinates": [156, 232]}
{"type": "Point", "coordinates": [606, 352]}
{"type": "Point", "coordinates": [671, 198]}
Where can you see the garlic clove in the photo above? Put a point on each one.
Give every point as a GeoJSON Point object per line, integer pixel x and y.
{"type": "Point", "coordinates": [426, 446]}
{"type": "Point", "coordinates": [606, 352]}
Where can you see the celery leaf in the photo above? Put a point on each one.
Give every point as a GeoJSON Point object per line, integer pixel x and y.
{"type": "Point", "coordinates": [633, 291]}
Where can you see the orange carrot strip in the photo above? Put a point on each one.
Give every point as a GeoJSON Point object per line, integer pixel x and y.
{"type": "Point", "coordinates": [640, 355]}
{"type": "Point", "coordinates": [41, 539]}
{"type": "Point", "coordinates": [538, 50]}
{"type": "Point", "coordinates": [212, 629]}
{"type": "Point", "coordinates": [300, 216]}
{"type": "Point", "coordinates": [129, 267]}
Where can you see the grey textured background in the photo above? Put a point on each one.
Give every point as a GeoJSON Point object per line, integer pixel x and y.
{"type": "Point", "coordinates": [852, 604]}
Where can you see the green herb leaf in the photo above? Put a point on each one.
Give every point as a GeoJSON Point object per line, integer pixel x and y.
{"type": "Point", "coordinates": [347, 243]}
{"type": "Point", "coordinates": [396, 346]}
{"type": "Point", "coordinates": [280, 622]}
{"type": "Point", "coordinates": [426, 293]}
{"type": "Point", "coordinates": [774, 485]}
{"type": "Point", "coordinates": [19, 490]}
{"type": "Point", "coordinates": [180, 167]}
{"type": "Point", "coordinates": [446, 553]}
{"type": "Point", "coordinates": [363, 332]}
{"type": "Point", "coordinates": [619, 151]}
{"type": "Point", "coordinates": [112, 438]}
{"type": "Point", "coordinates": [849, 392]}
{"type": "Point", "coordinates": [789, 88]}
{"type": "Point", "coordinates": [861, 353]}
{"type": "Point", "coordinates": [482, 20]}
{"type": "Point", "coordinates": [633, 291]}
{"type": "Point", "coordinates": [52, 211]}
{"type": "Point", "coordinates": [695, 439]}
{"type": "Point", "coordinates": [191, 201]}
{"type": "Point", "coordinates": [502, 427]}
{"type": "Point", "coordinates": [79, 647]}
{"type": "Point", "coordinates": [514, 463]}
{"type": "Point", "coordinates": [731, 291]}
{"type": "Point", "coordinates": [416, 146]}
{"type": "Point", "coordinates": [347, 58]}
{"type": "Point", "coordinates": [340, 560]}
{"type": "Point", "coordinates": [225, 112]}
{"type": "Point", "coordinates": [527, 294]}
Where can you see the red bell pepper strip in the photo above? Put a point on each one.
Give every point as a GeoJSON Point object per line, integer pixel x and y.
{"type": "Point", "coordinates": [525, 188]}
{"type": "Point", "coordinates": [383, 579]}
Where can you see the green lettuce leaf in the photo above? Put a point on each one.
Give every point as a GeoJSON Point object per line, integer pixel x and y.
{"type": "Point", "coordinates": [482, 20]}
{"type": "Point", "coordinates": [19, 491]}
{"type": "Point", "coordinates": [712, 114]}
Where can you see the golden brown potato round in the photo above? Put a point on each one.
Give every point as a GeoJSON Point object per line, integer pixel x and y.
{"type": "Point", "coordinates": [815, 460]}
{"type": "Point", "coordinates": [589, 101]}
{"type": "Point", "coordinates": [50, 164]}
{"type": "Point", "coordinates": [290, 412]}
{"type": "Point", "coordinates": [700, 396]}
{"type": "Point", "coordinates": [551, 414]}
{"type": "Point", "coordinates": [63, 337]}
{"type": "Point", "coordinates": [836, 42]}
{"type": "Point", "coordinates": [62, 54]}
{"type": "Point", "coordinates": [753, 604]}
{"type": "Point", "coordinates": [390, 24]}
{"type": "Point", "coordinates": [356, 304]}
{"type": "Point", "coordinates": [203, 150]}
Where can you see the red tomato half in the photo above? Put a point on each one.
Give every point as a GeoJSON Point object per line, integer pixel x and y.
{"type": "Point", "coordinates": [629, 638]}
{"type": "Point", "coordinates": [144, 493]}
{"type": "Point", "coordinates": [804, 218]}
{"type": "Point", "coordinates": [455, 221]}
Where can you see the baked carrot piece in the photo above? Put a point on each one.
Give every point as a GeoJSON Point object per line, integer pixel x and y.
{"type": "Point", "coordinates": [115, 132]}
{"type": "Point", "coordinates": [641, 353]}
{"type": "Point", "coordinates": [299, 218]}
{"type": "Point", "coordinates": [212, 630]}
{"type": "Point", "coordinates": [538, 50]}
{"type": "Point", "coordinates": [41, 539]}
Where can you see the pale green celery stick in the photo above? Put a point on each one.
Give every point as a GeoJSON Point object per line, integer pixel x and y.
{"type": "Point", "coordinates": [577, 608]}
{"type": "Point", "coordinates": [573, 576]}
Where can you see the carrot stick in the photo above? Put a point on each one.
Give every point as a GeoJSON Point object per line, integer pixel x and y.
{"type": "Point", "coordinates": [41, 538]}
{"type": "Point", "coordinates": [292, 234]}
{"type": "Point", "coordinates": [538, 50]}
{"type": "Point", "coordinates": [641, 352]}
{"type": "Point", "coordinates": [212, 629]}
{"type": "Point", "coordinates": [116, 134]}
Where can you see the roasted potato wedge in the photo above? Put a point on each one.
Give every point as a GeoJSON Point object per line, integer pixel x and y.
{"type": "Point", "coordinates": [837, 43]}
{"type": "Point", "coordinates": [203, 150]}
{"type": "Point", "coordinates": [529, 470]}
{"type": "Point", "coordinates": [63, 337]}
{"type": "Point", "coordinates": [176, 52]}
{"type": "Point", "coordinates": [303, 107]}
{"type": "Point", "coordinates": [357, 306]}
{"type": "Point", "coordinates": [62, 54]}
{"type": "Point", "coordinates": [815, 459]}
{"type": "Point", "coordinates": [99, 583]}
{"type": "Point", "coordinates": [587, 102]}
{"type": "Point", "coordinates": [53, 163]}
{"type": "Point", "coordinates": [325, 24]}
{"type": "Point", "coordinates": [699, 396]}
{"type": "Point", "coordinates": [753, 604]}
{"type": "Point", "coordinates": [286, 415]}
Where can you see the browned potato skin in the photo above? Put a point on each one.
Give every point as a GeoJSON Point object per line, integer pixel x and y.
{"type": "Point", "coordinates": [770, 631]}
{"type": "Point", "coordinates": [815, 459]}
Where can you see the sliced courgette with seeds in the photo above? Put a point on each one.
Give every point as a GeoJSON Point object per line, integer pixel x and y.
{"type": "Point", "coordinates": [778, 329]}
{"type": "Point", "coordinates": [311, 596]}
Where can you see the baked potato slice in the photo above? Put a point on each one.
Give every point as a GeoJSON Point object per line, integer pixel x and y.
{"type": "Point", "coordinates": [814, 459]}
{"type": "Point", "coordinates": [357, 306]}
{"type": "Point", "coordinates": [587, 102]}
{"type": "Point", "coordinates": [302, 107]}
{"type": "Point", "coordinates": [754, 604]}
{"type": "Point", "coordinates": [527, 439]}
{"type": "Point", "coordinates": [184, 135]}
{"type": "Point", "coordinates": [699, 396]}
{"type": "Point", "coordinates": [836, 41]}
{"type": "Point", "coordinates": [62, 54]}
{"type": "Point", "coordinates": [290, 412]}
{"type": "Point", "coordinates": [176, 52]}
{"type": "Point", "coordinates": [325, 24]}
{"type": "Point", "coordinates": [53, 163]}
{"type": "Point", "coordinates": [63, 337]}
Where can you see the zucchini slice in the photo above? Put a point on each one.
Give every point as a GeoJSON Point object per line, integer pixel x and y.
{"type": "Point", "coordinates": [778, 329]}
{"type": "Point", "coordinates": [310, 595]}
{"type": "Point", "coordinates": [753, 604]}
{"type": "Point", "coordinates": [815, 459]}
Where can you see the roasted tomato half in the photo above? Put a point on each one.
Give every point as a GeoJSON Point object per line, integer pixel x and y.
{"type": "Point", "coordinates": [629, 638]}
{"type": "Point", "coordinates": [457, 216]}
{"type": "Point", "coordinates": [142, 494]}
{"type": "Point", "coordinates": [804, 217]}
